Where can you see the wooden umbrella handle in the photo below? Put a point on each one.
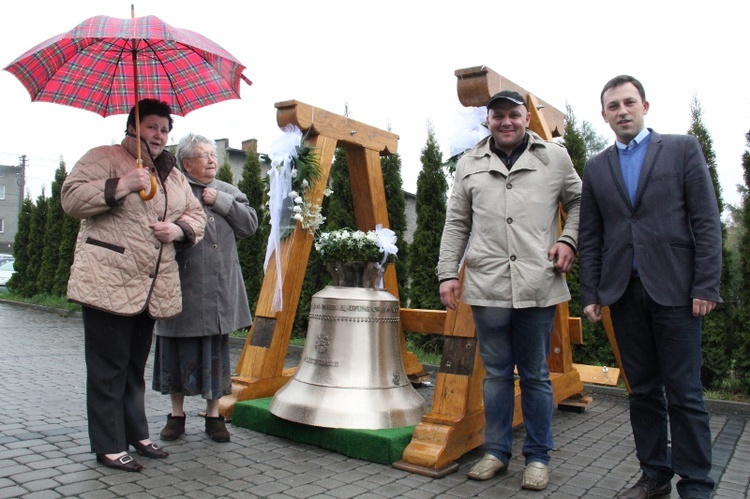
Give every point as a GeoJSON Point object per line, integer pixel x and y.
{"type": "Point", "coordinates": [139, 161]}
{"type": "Point", "coordinates": [152, 192]}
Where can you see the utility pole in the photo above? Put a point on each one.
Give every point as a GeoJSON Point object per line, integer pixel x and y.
{"type": "Point", "coordinates": [22, 181]}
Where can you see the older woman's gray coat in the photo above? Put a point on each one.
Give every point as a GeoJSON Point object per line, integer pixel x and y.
{"type": "Point", "coordinates": [214, 300]}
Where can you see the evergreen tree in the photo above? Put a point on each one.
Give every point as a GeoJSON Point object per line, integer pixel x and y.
{"type": "Point", "coordinates": [252, 251]}
{"type": "Point", "coordinates": [340, 209]}
{"type": "Point", "coordinates": [735, 231]}
{"type": "Point", "coordinates": [224, 172]}
{"type": "Point", "coordinates": [574, 141]}
{"type": "Point", "coordinates": [18, 280]}
{"type": "Point", "coordinates": [424, 251]}
{"type": "Point", "coordinates": [52, 234]}
{"type": "Point", "coordinates": [430, 206]}
{"type": "Point", "coordinates": [596, 349]}
{"type": "Point", "coordinates": [717, 333]}
{"type": "Point", "coordinates": [35, 246]}
{"type": "Point", "coordinates": [595, 143]}
{"type": "Point", "coordinates": [741, 360]}
{"type": "Point", "coordinates": [698, 130]}
{"type": "Point", "coordinates": [394, 195]}
{"type": "Point", "coordinates": [68, 235]}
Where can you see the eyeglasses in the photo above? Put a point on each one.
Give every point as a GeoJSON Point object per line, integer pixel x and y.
{"type": "Point", "coordinates": [208, 156]}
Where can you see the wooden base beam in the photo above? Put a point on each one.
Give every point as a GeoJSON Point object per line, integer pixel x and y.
{"type": "Point", "coordinates": [244, 388]}
{"type": "Point", "coordinates": [420, 470]}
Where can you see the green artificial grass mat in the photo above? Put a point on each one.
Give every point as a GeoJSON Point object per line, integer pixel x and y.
{"type": "Point", "coordinates": [378, 446]}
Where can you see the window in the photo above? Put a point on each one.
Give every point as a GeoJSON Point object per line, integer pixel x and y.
{"type": "Point", "coordinates": [2, 225]}
{"type": "Point", "coordinates": [2, 191]}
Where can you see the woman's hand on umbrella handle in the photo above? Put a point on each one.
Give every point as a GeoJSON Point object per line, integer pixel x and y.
{"type": "Point", "coordinates": [152, 191]}
{"type": "Point", "coordinates": [133, 181]}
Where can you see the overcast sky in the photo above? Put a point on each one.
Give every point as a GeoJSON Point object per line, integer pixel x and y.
{"type": "Point", "coordinates": [393, 62]}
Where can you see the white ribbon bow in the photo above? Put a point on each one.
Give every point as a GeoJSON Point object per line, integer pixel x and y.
{"type": "Point", "coordinates": [282, 151]}
{"type": "Point", "coordinates": [468, 130]}
{"type": "Point", "coordinates": [386, 241]}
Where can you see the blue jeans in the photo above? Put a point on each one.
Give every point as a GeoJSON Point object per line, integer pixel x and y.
{"type": "Point", "coordinates": [661, 354]}
{"type": "Point", "coordinates": [519, 338]}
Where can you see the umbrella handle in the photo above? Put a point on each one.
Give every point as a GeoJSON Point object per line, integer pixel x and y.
{"type": "Point", "coordinates": [152, 191]}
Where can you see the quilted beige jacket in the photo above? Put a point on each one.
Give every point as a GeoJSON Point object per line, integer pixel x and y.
{"type": "Point", "coordinates": [119, 266]}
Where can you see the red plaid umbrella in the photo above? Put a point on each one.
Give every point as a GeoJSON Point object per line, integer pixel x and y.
{"type": "Point", "coordinates": [105, 65]}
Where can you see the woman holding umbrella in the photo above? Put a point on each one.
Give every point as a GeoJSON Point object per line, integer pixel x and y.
{"type": "Point", "coordinates": [124, 273]}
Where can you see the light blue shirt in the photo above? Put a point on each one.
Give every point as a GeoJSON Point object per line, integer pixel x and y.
{"type": "Point", "coordinates": [631, 160]}
{"type": "Point", "coordinates": [631, 163]}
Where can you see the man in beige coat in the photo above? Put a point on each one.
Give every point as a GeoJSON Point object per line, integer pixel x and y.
{"type": "Point", "coordinates": [502, 222]}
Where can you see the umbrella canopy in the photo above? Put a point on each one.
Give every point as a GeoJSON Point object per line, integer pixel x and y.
{"type": "Point", "coordinates": [105, 65]}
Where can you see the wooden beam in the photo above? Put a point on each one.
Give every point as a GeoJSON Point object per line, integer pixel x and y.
{"type": "Point", "coordinates": [423, 321]}
{"type": "Point", "coordinates": [607, 322]}
{"type": "Point", "coordinates": [598, 375]}
{"type": "Point", "coordinates": [345, 130]}
{"type": "Point", "coordinates": [477, 84]}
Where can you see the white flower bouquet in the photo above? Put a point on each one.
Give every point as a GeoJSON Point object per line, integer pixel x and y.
{"type": "Point", "coordinates": [357, 258]}
{"type": "Point", "coordinates": [347, 245]}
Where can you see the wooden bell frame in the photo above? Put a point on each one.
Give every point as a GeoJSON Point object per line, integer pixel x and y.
{"type": "Point", "coordinates": [455, 423]}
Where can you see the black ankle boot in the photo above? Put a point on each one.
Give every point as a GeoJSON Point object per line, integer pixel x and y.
{"type": "Point", "coordinates": [174, 428]}
{"type": "Point", "coordinates": [217, 429]}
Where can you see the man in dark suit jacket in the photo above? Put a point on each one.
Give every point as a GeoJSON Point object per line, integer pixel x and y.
{"type": "Point", "coordinates": [650, 248]}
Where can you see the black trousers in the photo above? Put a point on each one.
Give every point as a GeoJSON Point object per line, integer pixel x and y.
{"type": "Point", "coordinates": [116, 348]}
{"type": "Point", "coordinates": [661, 353]}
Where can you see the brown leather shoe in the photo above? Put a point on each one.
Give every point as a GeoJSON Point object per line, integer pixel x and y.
{"type": "Point", "coordinates": [646, 487]}
{"type": "Point", "coordinates": [150, 450]}
{"type": "Point", "coordinates": [122, 463]}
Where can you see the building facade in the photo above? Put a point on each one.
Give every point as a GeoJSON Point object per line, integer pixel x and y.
{"type": "Point", "coordinates": [236, 157]}
{"type": "Point", "coordinates": [12, 186]}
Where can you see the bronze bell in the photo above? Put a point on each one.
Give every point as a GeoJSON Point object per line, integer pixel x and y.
{"type": "Point", "coordinates": [351, 374]}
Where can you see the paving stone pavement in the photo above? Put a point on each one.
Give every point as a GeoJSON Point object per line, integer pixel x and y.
{"type": "Point", "coordinates": [44, 447]}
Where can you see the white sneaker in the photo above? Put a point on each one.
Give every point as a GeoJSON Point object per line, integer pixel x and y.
{"type": "Point", "coordinates": [535, 476]}
{"type": "Point", "coordinates": [486, 468]}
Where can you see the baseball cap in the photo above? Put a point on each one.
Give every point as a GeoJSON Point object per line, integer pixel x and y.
{"type": "Point", "coordinates": [508, 95]}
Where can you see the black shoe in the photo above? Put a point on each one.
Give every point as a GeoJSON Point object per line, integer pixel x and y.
{"type": "Point", "coordinates": [150, 450]}
{"type": "Point", "coordinates": [174, 428]}
{"type": "Point", "coordinates": [646, 488]}
{"type": "Point", "coordinates": [217, 429]}
{"type": "Point", "coordinates": [122, 463]}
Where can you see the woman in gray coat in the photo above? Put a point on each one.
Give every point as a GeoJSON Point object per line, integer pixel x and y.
{"type": "Point", "coordinates": [192, 349]}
